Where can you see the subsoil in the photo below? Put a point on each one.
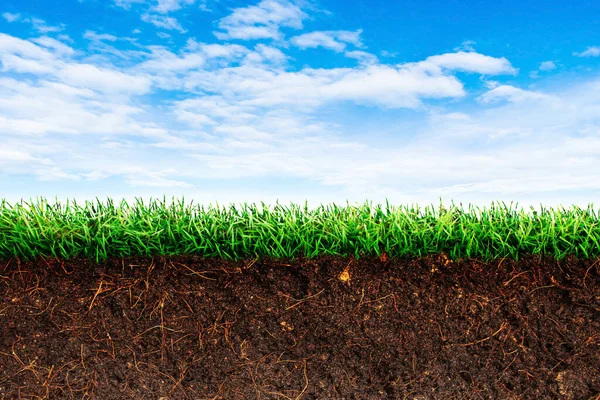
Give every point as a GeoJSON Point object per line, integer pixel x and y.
{"type": "Point", "coordinates": [327, 328]}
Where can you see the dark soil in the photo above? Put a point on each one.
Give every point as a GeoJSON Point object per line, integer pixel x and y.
{"type": "Point", "coordinates": [331, 328]}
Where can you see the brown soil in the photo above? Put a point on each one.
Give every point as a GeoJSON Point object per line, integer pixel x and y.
{"type": "Point", "coordinates": [330, 328]}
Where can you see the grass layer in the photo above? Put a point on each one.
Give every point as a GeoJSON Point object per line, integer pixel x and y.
{"type": "Point", "coordinates": [102, 229]}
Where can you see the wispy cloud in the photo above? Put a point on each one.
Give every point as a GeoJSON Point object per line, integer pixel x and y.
{"type": "Point", "coordinates": [38, 24]}
{"type": "Point", "coordinates": [513, 95]}
{"type": "Point", "coordinates": [103, 80]}
{"type": "Point", "coordinates": [50, 57]}
{"type": "Point", "coordinates": [333, 40]}
{"type": "Point", "coordinates": [10, 45]}
{"type": "Point", "coordinates": [159, 6]}
{"type": "Point", "coordinates": [467, 45]}
{"type": "Point", "coordinates": [126, 4]}
{"type": "Point", "coordinates": [203, 6]}
{"type": "Point", "coordinates": [55, 45]}
{"type": "Point", "coordinates": [164, 22]}
{"type": "Point", "coordinates": [166, 61]}
{"type": "Point", "coordinates": [264, 56]}
{"type": "Point", "coordinates": [155, 12]}
{"type": "Point", "coordinates": [166, 6]}
{"type": "Point", "coordinates": [592, 51]}
{"type": "Point", "coordinates": [41, 26]}
{"type": "Point", "coordinates": [51, 107]}
{"type": "Point", "coordinates": [395, 87]}
{"type": "Point", "coordinates": [11, 17]}
{"type": "Point", "coordinates": [363, 57]}
{"type": "Point", "coordinates": [98, 37]}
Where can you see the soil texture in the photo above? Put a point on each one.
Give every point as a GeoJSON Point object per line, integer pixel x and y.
{"type": "Point", "coordinates": [327, 328]}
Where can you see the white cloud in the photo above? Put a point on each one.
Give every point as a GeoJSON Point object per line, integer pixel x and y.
{"type": "Point", "coordinates": [52, 173]}
{"type": "Point", "coordinates": [544, 67]}
{"type": "Point", "coordinates": [166, 68]}
{"type": "Point", "coordinates": [194, 120]}
{"type": "Point", "coordinates": [22, 126]}
{"type": "Point", "coordinates": [472, 62]}
{"type": "Point", "coordinates": [392, 87]}
{"type": "Point", "coordinates": [402, 86]}
{"type": "Point", "coordinates": [164, 60]}
{"type": "Point", "coordinates": [467, 45]}
{"type": "Point", "coordinates": [159, 6]}
{"type": "Point", "coordinates": [249, 33]}
{"type": "Point", "coordinates": [386, 53]}
{"type": "Point", "coordinates": [513, 95]}
{"type": "Point", "coordinates": [14, 45]}
{"type": "Point", "coordinates": [56, 46]}
{"type": "Point", "coordinates": [363, 57]}
{"type": "Point", "coordinates": [11, 62]}
{"type": "Point", "coordinates": [547, 66]}
{"type": "Point", "coordinates": [215, 107]}
{"type": "Point", "coordinates": [166, 6]}
{"type": "Point", "coordinates": [52, 107]}
{"type": "Point", "coordinates": [254, 84]}
{"type": "Point", "coordinates": [264, 54]}
{"type": "Point", "coordinates": [66, 90]}
{"type": "Point", "coordinates": [91, 35]}
{"type": "Point", "coordinates": [126, 4]}
{"type": "Point", "coordinates": [244, 112]}
{"type": "Point", "coordinates": [38, 24]}
{"type": "Point", "coordinates": [141, 177]}
{"type": "Point", "coordinates": [261, 21]}
{"type": "Point", "coordinates": [64, 37]}
{"type": "Point", "coordinates": [225, 51]}
{"type": "Point", "coordinates": [24, 56]}
{"type": "Point", "coordinates": [592, 51]}
{"type": "Point", "coordinates": [204, 6]}
{"type": "Point", "coordinates": [454, 159]}
{"type": "Point", "coordinates": [42, 27]}
{"type": "Point", "coordinates": [13, 155]}
{"type": "Point", "coordinates": [11, 17]}
{"type": "Point", "coordinates": [333, 40]}
{"type": "Point", "coordinates": [164, 22]}
{"type": "Point", "coordinates": [490, 84]}
{"type": "Point", "coordinates": [451, 116]}
{"type": "Point", "coordinates": [103, 80]}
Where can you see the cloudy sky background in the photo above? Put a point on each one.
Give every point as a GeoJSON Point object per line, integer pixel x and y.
{"type": "Point", "coordinates": [319, 100]}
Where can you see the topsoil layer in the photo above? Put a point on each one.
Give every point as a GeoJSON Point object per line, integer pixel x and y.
{"type": "Point", "coordinates": [330, 328]}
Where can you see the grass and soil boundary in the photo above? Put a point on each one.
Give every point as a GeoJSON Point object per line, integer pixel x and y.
{"type": "Point", "coordinates": [343, 303]}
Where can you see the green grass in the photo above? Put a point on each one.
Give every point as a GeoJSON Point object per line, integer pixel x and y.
{"type": "Point", "coordinates": [102, 229]}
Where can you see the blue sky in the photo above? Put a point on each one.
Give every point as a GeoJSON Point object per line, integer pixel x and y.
{"type": "Point", "coordinates": [325, 101]}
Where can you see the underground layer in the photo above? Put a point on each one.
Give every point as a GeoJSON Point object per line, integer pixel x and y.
{"type": "Point", "coordinates": [327, 328]}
